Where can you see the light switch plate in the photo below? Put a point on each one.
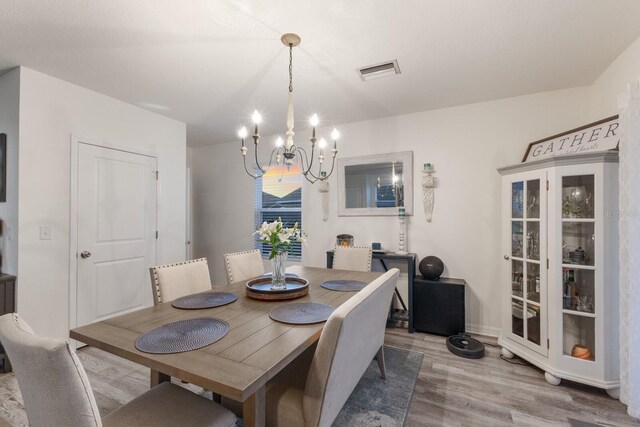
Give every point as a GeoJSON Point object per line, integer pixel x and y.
{"type": "Point", "coordinates": [45, 232]}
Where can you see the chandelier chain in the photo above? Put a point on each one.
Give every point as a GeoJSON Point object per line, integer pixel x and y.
{"type": "Point", "coordinates": [290, 67]}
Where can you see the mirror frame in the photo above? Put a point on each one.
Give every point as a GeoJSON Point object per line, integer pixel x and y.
{"type": "Point", "coordinates": [406, 157]}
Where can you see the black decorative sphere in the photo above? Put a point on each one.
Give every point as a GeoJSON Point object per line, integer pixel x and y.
{"type": "Point", "coordinates": [431, 267]}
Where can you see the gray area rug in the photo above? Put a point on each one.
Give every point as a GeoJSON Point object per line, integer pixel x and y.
{"type": "Point", "coordinates": [383, 403]}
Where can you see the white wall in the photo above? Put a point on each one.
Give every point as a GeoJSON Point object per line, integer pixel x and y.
{"type": "Point", "coordinates": [9, 113]}
{"type": "Point", "coordinates": [613, 81]}
{"type": "Point", "coordinates": [466, 144]}
{"type": "Point", "coordinates": [52, 110]}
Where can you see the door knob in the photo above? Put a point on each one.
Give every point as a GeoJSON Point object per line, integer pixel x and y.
{"type": "Point", "coordinates": [506, 257]}
{"type": "Point", "coordinates": [85, 254]}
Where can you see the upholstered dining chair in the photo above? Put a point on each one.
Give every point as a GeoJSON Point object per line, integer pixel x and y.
{"type": "Point", "coordinates": [243, 265]}
{"type": "Point", "coordinates": [312, 390]}
{"type": "Point", "coordinates": [56, 390]}
{"type": "Point", "coordinates": [172, 281]}
{"type": "Point", "coordinates": [356, 258]}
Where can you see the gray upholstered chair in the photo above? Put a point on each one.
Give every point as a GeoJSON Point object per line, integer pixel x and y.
{"type": "Point", "coordinates": [243, 265]}
{"type": "Point", "coordinates": [172, 281]}
{"type": "Point", "coordinates": [312, 390]}
{"type": "Point", "coordinates": [356, 258]}
{"type": "Point", "coordinates": [56, 390]}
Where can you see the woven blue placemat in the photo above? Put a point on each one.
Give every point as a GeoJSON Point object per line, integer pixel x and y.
{"type": "Point", "coordinates": [344, 285]}
{"type": "Point", "coordinates": [183, 335]}
{"type": "Point", "coordinates": [207, 299]}
{"type": "Point", "coordinates": [301, 313]}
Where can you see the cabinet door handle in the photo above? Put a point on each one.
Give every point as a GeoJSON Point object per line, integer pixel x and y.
{"type": "Point", "coordinates": [506, 257]}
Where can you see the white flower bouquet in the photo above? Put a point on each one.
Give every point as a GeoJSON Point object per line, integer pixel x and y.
{"type": "Point", "coordinates": [279, 237]}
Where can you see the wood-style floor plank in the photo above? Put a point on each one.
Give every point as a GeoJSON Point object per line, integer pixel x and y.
{"type": "Point", "coordinates": [453, 391]}
{"type": "Point", "coordinates": [450, 391]}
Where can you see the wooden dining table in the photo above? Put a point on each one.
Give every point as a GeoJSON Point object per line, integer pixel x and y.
{"type": "Point", "coordinates": [239, 365]}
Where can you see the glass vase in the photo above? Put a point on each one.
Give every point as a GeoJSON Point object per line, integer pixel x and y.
{"type": "Point", "coordinates": [278, 269]}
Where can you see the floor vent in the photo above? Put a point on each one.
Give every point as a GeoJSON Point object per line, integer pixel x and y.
{"type": "Point", "coordinates": [379, 70]}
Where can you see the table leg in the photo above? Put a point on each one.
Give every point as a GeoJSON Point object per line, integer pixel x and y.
{"type": "Point", "coordinates": [254, 409]}
{"type": "Point", "coordinates": [158, 377]}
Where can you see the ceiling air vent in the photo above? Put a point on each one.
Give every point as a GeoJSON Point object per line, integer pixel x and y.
{"type": "Point", "coordinates": [379, 70]}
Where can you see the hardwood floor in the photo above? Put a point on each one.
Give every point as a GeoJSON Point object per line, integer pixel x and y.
{"type": "Point", "coordinates": [491, 391]}
{"type": "Point", "coordinates": [450, 391]}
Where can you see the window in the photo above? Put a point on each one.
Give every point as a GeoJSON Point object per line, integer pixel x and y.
{"type": "Point", "coordinates": [278, 194]}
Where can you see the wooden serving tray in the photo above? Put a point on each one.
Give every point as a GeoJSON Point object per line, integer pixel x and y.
{"type": "Point", "coordinates": [260, 288]}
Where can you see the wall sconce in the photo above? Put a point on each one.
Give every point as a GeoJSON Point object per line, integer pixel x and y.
{"type": "Point", "coordinates": [428, 185]}
{"type": "Point", "coordinates": [323, 188]}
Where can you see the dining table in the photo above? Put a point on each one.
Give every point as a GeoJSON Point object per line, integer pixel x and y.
{"type": "Point", "coordinates": [239, 365]}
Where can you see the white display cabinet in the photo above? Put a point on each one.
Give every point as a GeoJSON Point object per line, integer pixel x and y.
{"type": "Point", "coordinates": [560, 267]}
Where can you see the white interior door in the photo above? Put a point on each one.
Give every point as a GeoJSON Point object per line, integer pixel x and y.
{"type": "Point", "coordinates": [116, 234]}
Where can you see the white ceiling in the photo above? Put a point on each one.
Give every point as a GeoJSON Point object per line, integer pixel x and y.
{"type": "Point", "coordinates": [210, 63]}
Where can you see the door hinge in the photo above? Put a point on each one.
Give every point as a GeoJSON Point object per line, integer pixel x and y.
{"type": "Point", "coordinates": [547, 185]}
{"type": "Point", "coordinates": [157, 234]}
{"type": "Point", "coordinates": [157, 174]}
{"type": "Point", "coordinates": [548, 346]}
{"type": "Point", "coordinates": [547, 263]}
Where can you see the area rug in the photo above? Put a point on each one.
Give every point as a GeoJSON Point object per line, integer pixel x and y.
{"type": "Point", "coordinates": [383, 403]}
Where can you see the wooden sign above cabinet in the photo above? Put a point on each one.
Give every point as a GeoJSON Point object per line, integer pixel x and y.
{"type": "Point", "coordinates": [595, 137]}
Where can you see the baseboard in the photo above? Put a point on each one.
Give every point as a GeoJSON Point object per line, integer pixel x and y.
{"type": "Point", "coordinates": [483, 330]}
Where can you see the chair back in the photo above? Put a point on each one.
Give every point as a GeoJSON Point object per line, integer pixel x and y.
{"type": "Point", "coordinates": [243, 265]}
{"type": "Point", "coordinates": [356, 258]}
{"type": "Point", "coordinates": [53, 383]}
{"type": "Point", "coordinates": [172, 281]}
{"type": "Point", "coordinates": [350, 339]}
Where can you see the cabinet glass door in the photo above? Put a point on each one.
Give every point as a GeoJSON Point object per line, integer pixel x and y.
{"type": "Point", "coordinates": [528, 249]}
{"type": "Point", "coordinates": [578, 271]}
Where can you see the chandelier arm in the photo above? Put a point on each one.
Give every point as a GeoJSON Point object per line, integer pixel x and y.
{"type": "Point", "coordinates": [255, 144]}
{"type": "Point", "coordinates": [254, 176]}
{"type": "Point", "coordinates": [333, 163]}
{"type": "Point", "coordinates": [274, 151]}
{"type": "Point", "coordinates": [313, 146]}
{"type": "Point", "coordinates": [307, 178]}
{"type": "Point", "coordinates": [315, 177]}
{"type": "Point", "coordinates": [309, 171]}
{"type": "Point", "coordinates": [301, 160]}
{"type": "Point", "coordinates": [303, 151]}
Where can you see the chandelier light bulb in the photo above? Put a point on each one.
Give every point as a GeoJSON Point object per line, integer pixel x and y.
{"type": "Point", "coordinates": [322, 143]}
{"type": "Point", "coordinates": [279, 142]}
{"type": "Point", "coordinates": [335, 134]}
{"type": "Point", "coordinates": [256, 117]}
{"type": "Point", "coordinates": [395, 179]}
{"type": "Point", "coordinates": [242, 133]}
{"type": "Point", "coordinates": [314, 120]}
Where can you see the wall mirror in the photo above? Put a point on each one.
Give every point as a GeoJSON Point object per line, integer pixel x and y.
{"type": "Point", "coordinates": [375, 185]}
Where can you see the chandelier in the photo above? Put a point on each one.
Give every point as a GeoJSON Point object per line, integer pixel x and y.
{"type": "Point", "coordinates": [286, 152]}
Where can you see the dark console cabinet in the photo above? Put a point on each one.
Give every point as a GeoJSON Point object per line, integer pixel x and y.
{"type": "Point", "coordinates": [438, 305]}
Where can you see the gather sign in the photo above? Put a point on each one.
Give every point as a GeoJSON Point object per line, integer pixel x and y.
{"type": "Point", "coordinates": [594, 137]}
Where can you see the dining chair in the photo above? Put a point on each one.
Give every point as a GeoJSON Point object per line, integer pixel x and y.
{"type": "Point", "coordinates": [172, 281]}
{"type": "Point", "coordinates": [243, 265]}
{"type": "Point", "coordinates": [56, 390]}
{"type": "Point", "coordinates": [355, 258]}
{"type": "Point", "coordinates": [312, 389]}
